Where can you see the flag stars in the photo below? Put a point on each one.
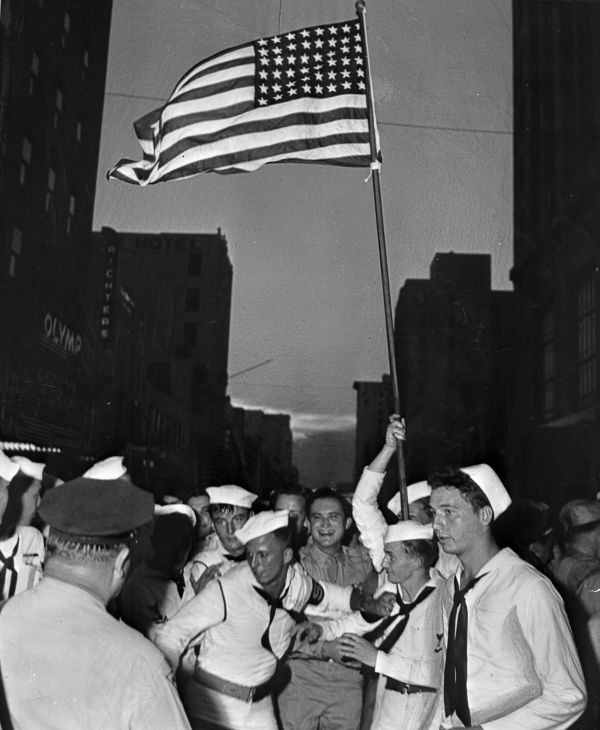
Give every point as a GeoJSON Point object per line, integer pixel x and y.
{"type": "Point", "coordinates": [305, 34]}
{"type": "Point", "coordinates": [320, 31]}
{"type": "Point", "coordinates": [304, 58]}
{"type": "Point", "coordinates": [275, 40]}
{"type": "Point", "coordinates": [332, 41]}
{"type": "Point", "coordinates": [346, 28]}
{"type": "Point", "coordinates": [277, 74]}
{"type": "Point", "coordinates": [331, 75]}
{"type": "Point", "coordinates": [345, 49]}
{"type": "Point", "coordinates": [276, 87]}
{"type": "Point", "coordinates": [262, 42]}
{"type": "Point", "coordinates": [331, 88]}
{"type": "Point", "coordinates": [331, 61]}
{"type": "Point", "coordinates": [290, 73]}
{"type": "Point", "coordinates": [318, 89]}
{"type": "Point", "coordinates": [318, 57]}
{"type": "Point", "coordinates": [262, 101]}
{"type": "Point", "coordinates": [360, 72]}
{"type": "Point", "coordinates": [290, 36]}
{"type": "Point", "coordinates": [345, 61]}
{"type": "Point", "coordinates": [291, 60]}
{"type": "Point", "coordinates": [264, 89]}
{"type": "Point", "coordinates": [361, 85]}
{"type": "Point", "coordinates": [319, 43]}
{"type": "Point", "coordinates": [263, 51]}
{"type": "Point", "coordinates": [357, 38]}
{"type": "Point", "coordinates": [319, 76]}
{"type": "Point", "coordinates": [306, 45]}
{"type": "Point", "coordinates": [333, 30]}
{"type": "Point", "coordinates": [306, 88]}
{"type": "Point", "coordinates": [347, 85]}
{"type": "Point", "coordinates": [276, 51]}
{"type": "Point", "coordinates": [358, 49]}
{"type": "Point", "coordinates": [278, 97]}
{"type": "Point", "coordinates": [291, 47]}
{"type": "Point", "coordinates": [263, 74]}
{"type": "Point", "coordinates": [278, 60]}
{"type": "Point", "coordinates": [304, 70]}
{"type": "Point", "coordinates": [293, 92]}
{"type": "Point", "coordinates": [264, 61]}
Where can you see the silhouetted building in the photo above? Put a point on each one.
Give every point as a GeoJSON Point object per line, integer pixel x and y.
{"type": "Point", "coordinates": [454, 353]}
{"type": "Point", "coordinates": [159, 307]}
{"type": "Point", "coordinates": [556, 247]}
{"type": "Point", "coordinates": [52, 75]}
{"type": "Point", "coordinates": [260, 455]}
{"type": "Point", "coordinates": [374, 404]}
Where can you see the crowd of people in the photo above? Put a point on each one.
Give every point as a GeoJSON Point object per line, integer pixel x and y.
{"type": "Point", "coordinates": [304, 613]}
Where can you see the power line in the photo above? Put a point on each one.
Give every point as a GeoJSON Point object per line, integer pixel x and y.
{"type": "Point", "coordinates": [445, 129]}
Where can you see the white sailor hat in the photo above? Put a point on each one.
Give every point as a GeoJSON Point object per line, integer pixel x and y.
{"type": "Point", "coordinates": [408, 530]}
{"type": "Point", "coordinates": [262, 524]}
{"type": "Point", "coordinates": [418, 490]}
{"type": "Point", "coordinates": [33, 469]}
{"type": "Point", "coordinates": [110, 468]}
{"type": "Point", "coordinates": [489, 483]}
{"type": "Point", "coordinates": [160, 510]}
{"type": "Point", "coordinates": [8, 468]}
{"type": "Point", "coordinates": [231, 494]}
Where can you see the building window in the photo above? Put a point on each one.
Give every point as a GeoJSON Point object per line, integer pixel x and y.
{"type": "Point", "coordinates": [34, 72]}
{"type": "Point", "coordinates": [58, 105]}
{"type": "Point", "coordinates": [190, 334]}
{"type": "Point", "coordinates": [71, 215]}
{"type": "Point", "coordinates": [195, 264]}
{"type": "Point", "coordinates": [549, 363]}
{"type": "Point", "coordinates": [586, 341]}
{"type": "Point", "coordinates": [15, 252]}
{"type": "Point", "coordinates": [50, 188]}
{"type": "Point", "coordinates": [25, 160]}
{"type": "Point", "coordinates": [192, 300]}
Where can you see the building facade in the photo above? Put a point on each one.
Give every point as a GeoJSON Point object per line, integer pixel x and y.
{"type": "Point", "coordinates": [454, 353]}
{"type": "Point", "coordinates": [52, 74]}
{"type": "Point", "coordinates": [374, 404]}
{"type": "Point", "coordinates": [556, 248]}
{"type": "Point", "coordinates": [160, 313]}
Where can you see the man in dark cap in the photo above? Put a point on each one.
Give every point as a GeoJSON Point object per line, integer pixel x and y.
{"type": "Point", "coordinates": [66, 663]}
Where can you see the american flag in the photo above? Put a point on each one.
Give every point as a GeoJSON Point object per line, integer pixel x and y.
{"type": "Point", "coordinates": [299, 97]}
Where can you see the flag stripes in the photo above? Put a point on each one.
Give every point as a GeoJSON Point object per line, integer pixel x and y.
{"type": "Point", "coordinates": [279, 99]}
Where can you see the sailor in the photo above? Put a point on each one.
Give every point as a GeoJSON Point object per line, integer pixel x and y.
{"type": "Point", "coordinates": [240, 627]}
{"type": "Point", "coordinates": [510, 660]}
{"type": "Point", "coordinates": [66, 663]}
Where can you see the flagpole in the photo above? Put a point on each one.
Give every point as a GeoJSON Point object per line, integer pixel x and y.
{"type": "Point", "coordinates": [385, 278]}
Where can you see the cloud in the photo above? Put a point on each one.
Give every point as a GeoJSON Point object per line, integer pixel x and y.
{"type": "Point", "coordinates": [307, 424]}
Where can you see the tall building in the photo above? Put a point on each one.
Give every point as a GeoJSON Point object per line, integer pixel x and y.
{"type": "Point", "coordinates": [556, 251]}
{"type": "Point", "coordinates": [159, 308]}
{"type": "Point", "coordinates": [454, 353]}
{"type": "Point", "coordinates": [52, 73]}
{"type": "Point", "coordinates": [260, 454]}
{"type": "Point", "coordinates": [374, 404]}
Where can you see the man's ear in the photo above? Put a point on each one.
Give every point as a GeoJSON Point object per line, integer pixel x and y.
{"type": "Point", "coordinates": [288, 555]}
{"type": "Point", "coordinates": [122, 563]}
{"type": "Point", "coordinates": [347, 523]}
{"type": "Point", "coordinates": [486, 515]}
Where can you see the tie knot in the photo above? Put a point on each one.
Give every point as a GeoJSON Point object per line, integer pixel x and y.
{"type": "Point", "coordinates": [460, 593]}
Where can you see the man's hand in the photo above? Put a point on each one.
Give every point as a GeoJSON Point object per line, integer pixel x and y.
{"type": "Point", "coordinates": [211, 572]}
{"type": "Point", "coordinates": [359, 649]}
{"type": "Point", "coordinates": [333, 650]}
{"type": "Point", "coordinates": [395, 431]}
{"type": "Point", "coordinates": [381, 606]}
{"type": "Point", "coordinates": [309, 632]}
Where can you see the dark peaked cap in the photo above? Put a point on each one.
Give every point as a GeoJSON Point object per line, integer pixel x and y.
{"type": "Point", "coordinates": [96, 510]}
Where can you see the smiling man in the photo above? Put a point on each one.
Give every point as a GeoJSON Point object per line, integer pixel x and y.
{"type": "Point", "coordinates": [510, 660]}
{"type": "Point", "coordinates": [324, 692]}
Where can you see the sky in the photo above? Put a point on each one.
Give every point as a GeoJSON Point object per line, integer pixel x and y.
{"type": "Point", "coordinates": [302, 238]}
